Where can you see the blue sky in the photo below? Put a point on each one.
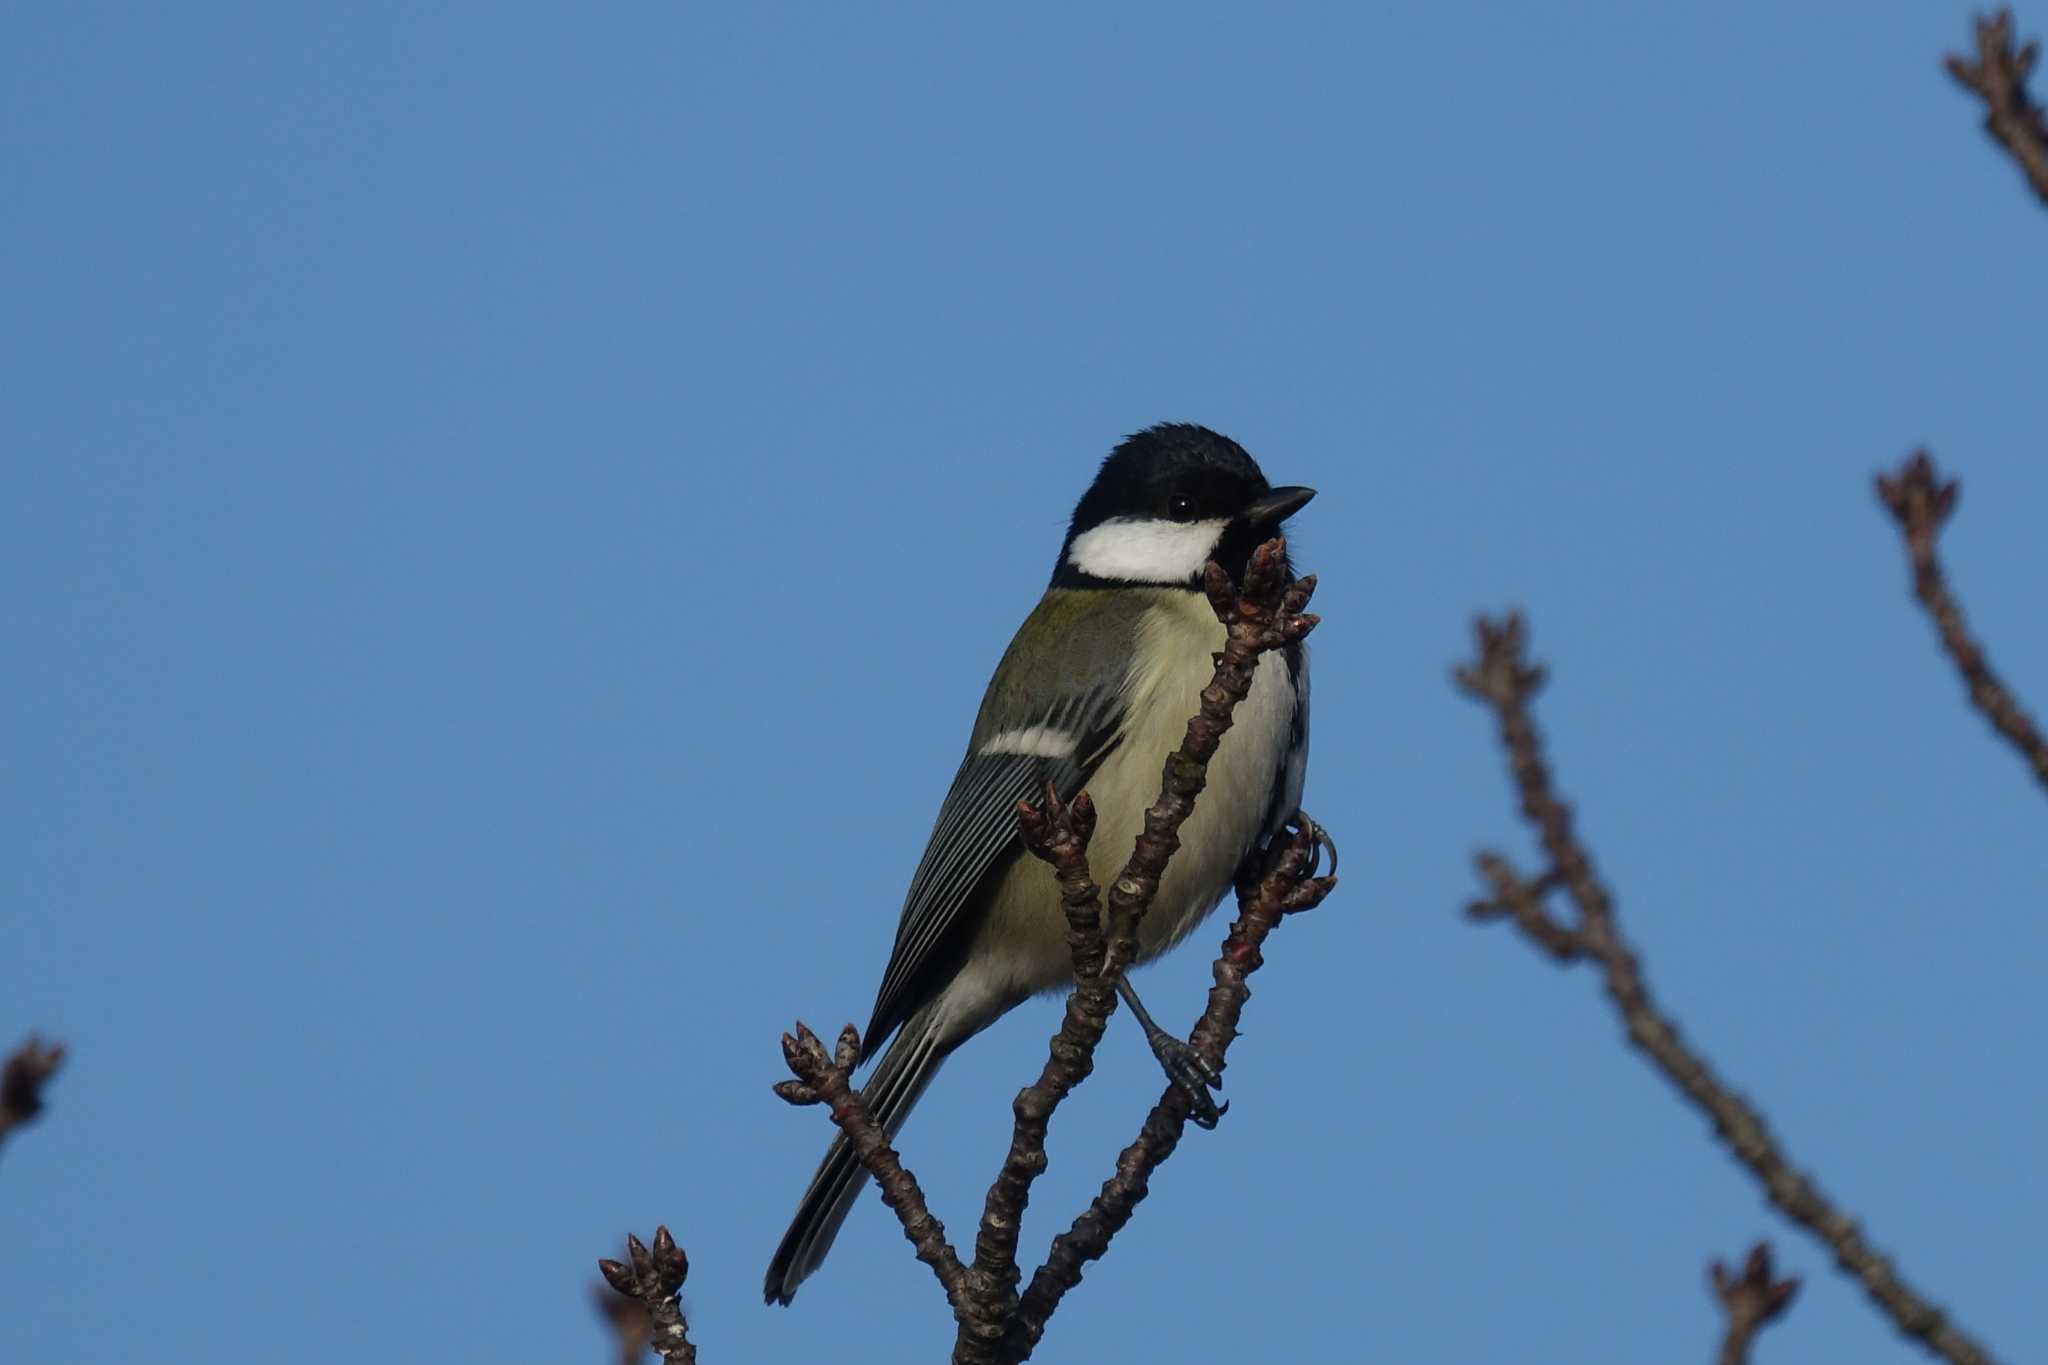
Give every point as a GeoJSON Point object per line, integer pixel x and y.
{"type": "Point", "coordinates": [478, 477]}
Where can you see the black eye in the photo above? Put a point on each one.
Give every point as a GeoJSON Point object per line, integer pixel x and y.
{"type": "Point", "coordinates": [1180, 507]}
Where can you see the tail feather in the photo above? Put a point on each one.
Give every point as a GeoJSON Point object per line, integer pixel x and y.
{"type": "Point", "coordinates": [900, 1077]}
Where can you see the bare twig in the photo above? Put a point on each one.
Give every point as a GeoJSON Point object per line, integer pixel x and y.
{"type": "Point", "coordinates": [1283, 889]}
{"type": "Point", "coordinates": [22, 1079]}
{"type": "Point", "coordinates": [1999, 78]}
{"type": "Point", "coordinates": [1059, 834]}
{"type": "Point", "coordinates": [1265, 613]}
{"type": "Point", "coordinates": [1505, 682]}
{"type": "Point", "coordinates": [1921, 504]}
{"type": "Point", "coordinates": [654, 1279]}
{"type": "Point", "coordinates": [823, 1078]}
{"type": "Point", "coordinates": [1750, 1299]}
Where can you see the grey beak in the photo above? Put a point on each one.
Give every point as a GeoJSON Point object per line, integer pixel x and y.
{"type": "Point", "coordinates": [1278, 505]}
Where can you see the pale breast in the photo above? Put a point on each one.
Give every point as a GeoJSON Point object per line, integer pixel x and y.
{"type": "Point", "coordinates": [1230, 816]}
{"type": "Point", "coordinates": [1178, 637]}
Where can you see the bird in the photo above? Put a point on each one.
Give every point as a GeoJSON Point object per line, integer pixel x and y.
{"type": "Point", "coordinates": [1094, 692]}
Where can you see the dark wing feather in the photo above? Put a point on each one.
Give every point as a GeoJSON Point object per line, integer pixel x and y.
{"type": "Point", "coordinates": [975, 836]}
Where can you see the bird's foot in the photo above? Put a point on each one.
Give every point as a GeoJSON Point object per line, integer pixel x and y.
{"type": "Point", "coordinates": [1190, 1073]}
{"type": "Point", "coordinates": [1187, 1070]}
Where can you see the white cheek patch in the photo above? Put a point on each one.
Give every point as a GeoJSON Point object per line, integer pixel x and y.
{"type": "Point", "coordinates": [1036, 741]}
{"type": "Point", "coordinates": [1135, 550]}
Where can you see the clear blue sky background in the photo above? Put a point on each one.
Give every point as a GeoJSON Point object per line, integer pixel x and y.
{"type": "Point", "coordinates": [474, 478]}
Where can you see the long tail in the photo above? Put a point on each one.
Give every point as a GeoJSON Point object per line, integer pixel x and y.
{"type": "Point", "coordinates": [900, 1077]}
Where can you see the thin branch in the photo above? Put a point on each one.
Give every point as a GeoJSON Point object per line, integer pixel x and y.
{"type": "Point", "coordinates": [1921, 504]}
{"type": "Point", "coordinates": [1750, 1299]}
{"type": "Point", "coordinates": [1999, 78]}
{"type": "Point", "coordinates": [1265, 613]}
{"type": "Point", "coordinates": [1059, 834]}
{"type": "Point", "coordinates": [823, 1078]}
{"type": "Point", "coordinates": [655, 1280]}
{"type": "Point", "coordinates": [1505, 682]}
{"type": "Point", "coordinates": [22, 1079]}
{"type": "Point", "coordinates": [1285, 887]}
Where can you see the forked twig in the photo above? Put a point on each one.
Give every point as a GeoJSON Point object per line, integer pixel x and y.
{"type": "Point", "coordinates": [1263, 613]}
{"type": "Point", "coordinates": [1505, 681]}
{"type": "Point", "coordinates": [1998, 77]}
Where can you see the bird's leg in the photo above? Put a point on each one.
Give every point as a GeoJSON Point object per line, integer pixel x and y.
{"type": "Point", "coordinates": [1185, 1068]}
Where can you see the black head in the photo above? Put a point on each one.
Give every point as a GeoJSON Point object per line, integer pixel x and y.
{"type": "Point", "coordinates": [1166, 502]}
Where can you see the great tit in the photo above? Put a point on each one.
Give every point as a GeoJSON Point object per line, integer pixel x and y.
{"type": "Point", "coordinates": [1094, 692]}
